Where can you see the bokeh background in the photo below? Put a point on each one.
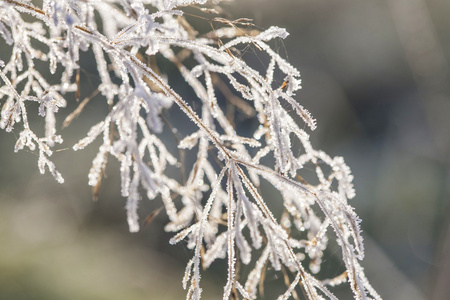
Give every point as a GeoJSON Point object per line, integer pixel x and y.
{"type": "Point", "coordinates": [375, 76]}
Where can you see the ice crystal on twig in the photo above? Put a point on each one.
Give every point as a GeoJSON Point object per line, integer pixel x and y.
{"type": "Point", "coordinates": [220, 210]}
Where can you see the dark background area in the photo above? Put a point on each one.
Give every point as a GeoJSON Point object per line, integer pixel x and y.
{"type": "Point", "coordinates": [375, 76]}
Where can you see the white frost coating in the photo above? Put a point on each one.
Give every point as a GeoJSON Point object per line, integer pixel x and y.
{"type": "Point", "coordinates": [170, 4]}
{"type": "Point", "coordinates": [271, 33]}
{"type": "Point", "coordinates": [179, 156]}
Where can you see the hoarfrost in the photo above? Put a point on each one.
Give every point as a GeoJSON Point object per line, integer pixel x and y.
{"type": "Point", "coordinates": [236, 219]}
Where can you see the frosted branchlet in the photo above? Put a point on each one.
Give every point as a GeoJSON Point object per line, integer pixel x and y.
{"type": "Point", "coordinates": [215, 203]}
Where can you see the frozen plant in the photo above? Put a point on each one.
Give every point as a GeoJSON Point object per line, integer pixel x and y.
{"type": "Point", "coordinates": [217, 207]}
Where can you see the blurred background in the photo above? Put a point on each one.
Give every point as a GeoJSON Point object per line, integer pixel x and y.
{"type": "Point", "coordinates": [375, 76]}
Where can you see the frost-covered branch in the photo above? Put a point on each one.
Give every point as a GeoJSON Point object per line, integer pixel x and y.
{"type": "Point", "coordinates": [218, 207]}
